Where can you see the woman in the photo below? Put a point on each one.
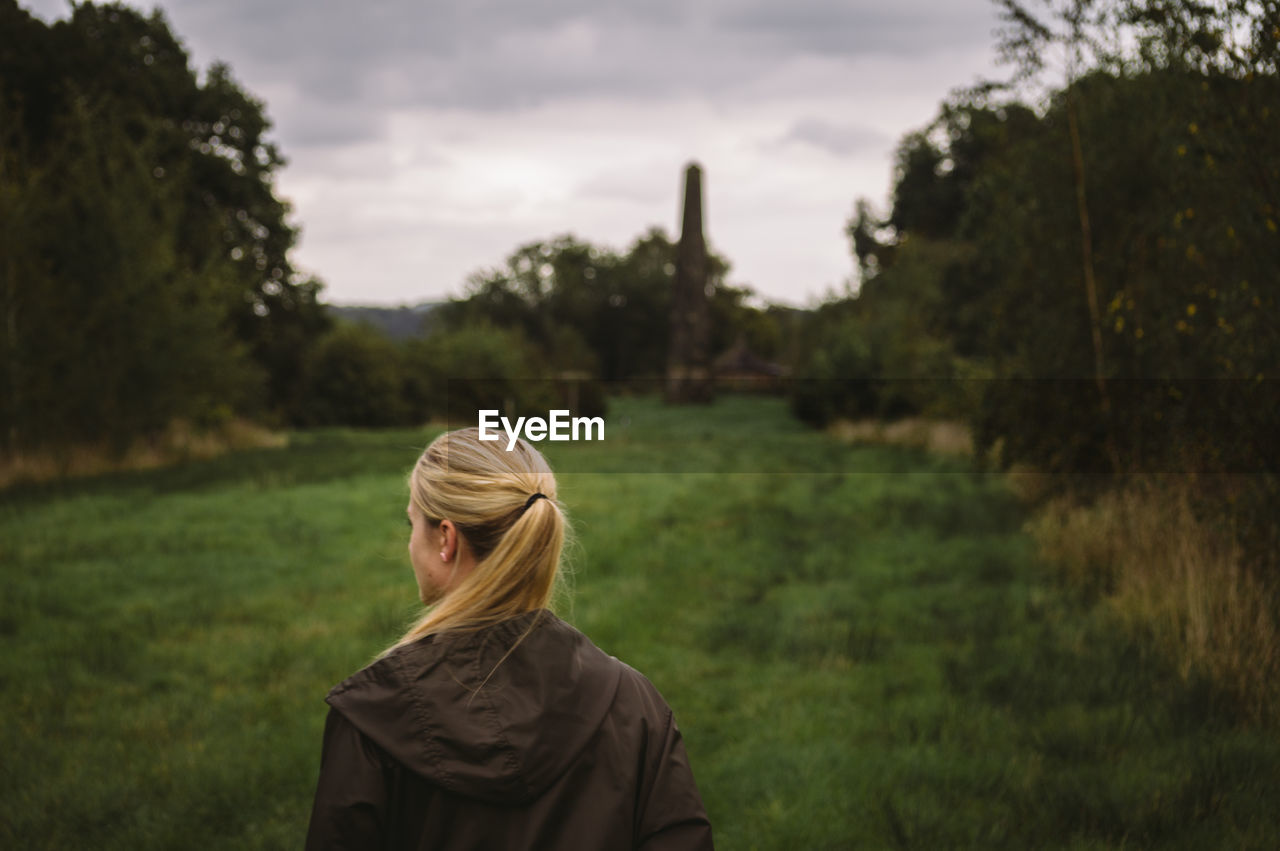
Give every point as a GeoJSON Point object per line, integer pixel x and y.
{"type": "Point", "coordinates": [492, 723]}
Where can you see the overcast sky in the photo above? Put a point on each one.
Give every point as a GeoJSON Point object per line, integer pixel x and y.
{"type": "Point", "coordinates": [427, 140]}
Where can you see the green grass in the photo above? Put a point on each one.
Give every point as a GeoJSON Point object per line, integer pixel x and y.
{"type": "Point", "coordinates": [855, 658]}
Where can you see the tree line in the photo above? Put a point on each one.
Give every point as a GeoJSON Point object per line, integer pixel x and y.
{"type": "Point", "coordinates": [558, 316]}
{"type": "Point", "coordinates": [146, 274]}
{"type": "Point", "coordinates": [1083, 266]}
{"type": "Point", "coordinates": [1088, 277]}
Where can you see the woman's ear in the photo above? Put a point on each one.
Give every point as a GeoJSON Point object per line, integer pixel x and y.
{"type": "Point", "coordinates": [448, 540]}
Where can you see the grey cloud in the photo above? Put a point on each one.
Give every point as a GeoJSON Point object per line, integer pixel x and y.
{"type": "Point", "coordinates": [633, 184]}
{"type": "Point", "coordinates": [537, 66]}
{"type": "Point", "coordinates": [503, 53]}
{"type": "Point", "coordinates": [313, 125]}
{"type": "Point", "coordinates": [902, 28]}
{"type": "Point", "coordinates": [488, 55]}
{"type": "Point", "coordinates": [840, 140]}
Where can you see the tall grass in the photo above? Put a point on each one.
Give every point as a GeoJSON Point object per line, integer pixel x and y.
{"type": "Point", "coordinates": [944, 437]}
{"type": "Point", "coordinates": [180, 442]}
{"type": "Point", "coordinates": [1169, 573]}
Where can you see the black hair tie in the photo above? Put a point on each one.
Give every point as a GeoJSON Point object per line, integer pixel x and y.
{"type": "Point", "coordinates": [533, 499]}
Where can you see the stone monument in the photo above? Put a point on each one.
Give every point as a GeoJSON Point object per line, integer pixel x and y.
{"type": "Point", "coordinates": [688, 354]}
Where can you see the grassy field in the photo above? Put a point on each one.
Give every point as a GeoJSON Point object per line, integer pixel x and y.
{"type": "Point", "coordinates": [857, 641]}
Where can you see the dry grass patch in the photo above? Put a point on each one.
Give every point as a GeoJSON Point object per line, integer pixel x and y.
{"type": "Point", "coordinates": [178, 443]}
{"type": "Point", "coordinates": [942, 436]}
{"type": "Point", "coordinates": [1166, 572]}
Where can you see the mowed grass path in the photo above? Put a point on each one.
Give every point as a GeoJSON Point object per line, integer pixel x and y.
{"type": "Point", "coordinates": [858, 643]}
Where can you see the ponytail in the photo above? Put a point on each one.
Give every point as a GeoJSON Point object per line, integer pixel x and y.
{"type": "Point", "coordinates": [504, 504]}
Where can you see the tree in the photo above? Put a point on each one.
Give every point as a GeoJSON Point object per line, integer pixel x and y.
{"type": "Point", "coordinates": [111, 333]}
{"type": "Point", "coordinates": [589, 309]}
{"type": "Point", "coordinates": [1080, 28]}
{"type": "Point", "coordinates": [171, 234]}
{"type": "Point", "coordinates": [135, 72]}
{"type": "Point", "coordinates": [353, 376]}
{"type": "Point", "coordinates": [1109, 256]}
{"type": "Point", "coordinates": [452, 374]}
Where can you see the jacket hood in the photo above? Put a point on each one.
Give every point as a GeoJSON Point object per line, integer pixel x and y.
{"type": "Point", "coordinates": [452, 709]}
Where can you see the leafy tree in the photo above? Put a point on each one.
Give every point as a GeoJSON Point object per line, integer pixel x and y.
{"type": "Point", "coordinates": [1079, 28]}
{"type": "Point", "coordinates": [920, 307]}
{"type": "Point", "coordinates": [353, 376]}
{"type": "Point", "coordinates": [452, 374]}
{"type": "Point", "coordinates": [592, 310]}
{"type": "Point", "coordinates": [836, 372]}
{"type": "Point", "coordinates": [206, 153]}
{"type": "Point", "coordinates": [110, 331]}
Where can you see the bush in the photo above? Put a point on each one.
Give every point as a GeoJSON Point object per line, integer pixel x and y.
{"type": "Point", "coordinates": [354, 376]}
{"type": "Point", "coordinates": [451, 375]}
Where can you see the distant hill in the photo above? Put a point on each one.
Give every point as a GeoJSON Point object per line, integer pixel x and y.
{"type": "Point", "coordinates": [398, 323]}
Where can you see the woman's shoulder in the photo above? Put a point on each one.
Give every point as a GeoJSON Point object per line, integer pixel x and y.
{"type": "Point", "coordinates": [581, 665]}
{"type": "Point", "coordinates": [538, 639]}
{"type": "Point", "coordinates": [634, 690]}
{"type": "Point", "coordinates": [459, 645]}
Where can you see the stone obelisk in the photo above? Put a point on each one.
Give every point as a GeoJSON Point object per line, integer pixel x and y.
{"type": "Point", "coordinates": [689, 355]}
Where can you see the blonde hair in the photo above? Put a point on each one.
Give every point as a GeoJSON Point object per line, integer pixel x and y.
{"type": "Point", "coordinates": [483, 489]}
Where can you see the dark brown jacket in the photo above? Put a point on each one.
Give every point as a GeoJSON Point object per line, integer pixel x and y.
{"type": "Point", "coordinates": [562, 747]}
